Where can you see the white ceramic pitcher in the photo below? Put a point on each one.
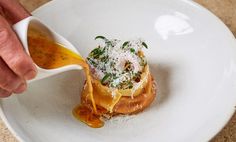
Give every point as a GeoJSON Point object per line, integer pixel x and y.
{"type": "Point", "coordinates": [21, 28]}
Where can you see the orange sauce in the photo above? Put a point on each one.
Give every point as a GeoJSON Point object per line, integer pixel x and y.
{"type": "Point", "coordinates": [86, 115]}
{"type": "Point", "coordinates": [50, 55]}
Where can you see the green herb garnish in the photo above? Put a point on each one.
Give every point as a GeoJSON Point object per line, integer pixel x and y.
{"type": "Point", "coordinates": [105, 59]}
{"type": "Point", "coordinates": [145, 45]}
{"type": "Point", "coordinates": [125, 44]}
{"type": "Point", "coordinates": [92, 62]}
{"type": "Point", "coordinates": [100, 37]}
{"type": "Point", "coordinates": [132, 50]}
{"type": "Point", "coordinates": [101, 58]}
{"type": "Point", "coordinates": [105, 78]}
{"type": "Point", "coordinates": [95, 53]}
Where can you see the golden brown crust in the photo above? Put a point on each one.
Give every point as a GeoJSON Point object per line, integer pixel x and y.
{"type": "Point", "coordinates": [128, 105]}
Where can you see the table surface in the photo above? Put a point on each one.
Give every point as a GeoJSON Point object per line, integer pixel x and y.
{"type": "Point", "coordinates": [224, 9]}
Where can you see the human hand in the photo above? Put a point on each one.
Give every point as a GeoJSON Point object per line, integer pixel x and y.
{"type": "Point", "coordinates": [16, 67]}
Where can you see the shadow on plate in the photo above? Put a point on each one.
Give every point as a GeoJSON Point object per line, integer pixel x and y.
{"type": "Point", "coordinates": [162, 76]}
{"type": "Point", "coordinates": [53, 97]}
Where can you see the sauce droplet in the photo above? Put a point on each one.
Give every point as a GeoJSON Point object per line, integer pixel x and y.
{"type": "Point", "coordinates": [86, 115]}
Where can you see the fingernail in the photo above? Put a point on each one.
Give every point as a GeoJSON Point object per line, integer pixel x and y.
{"type": "Point", "coordinates": [21, 88]}
{"type": "Point", "coordinates": [30, 75]}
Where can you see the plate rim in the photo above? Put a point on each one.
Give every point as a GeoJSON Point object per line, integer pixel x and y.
{"type": "Point", "coordinates": [211, 134]}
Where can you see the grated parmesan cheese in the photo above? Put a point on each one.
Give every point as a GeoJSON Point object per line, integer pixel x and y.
{"type": "Point", "coordinates": [117, 63]}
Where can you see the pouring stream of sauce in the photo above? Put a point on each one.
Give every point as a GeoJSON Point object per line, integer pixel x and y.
{"type": "Point", "coordinates": [50, 55]}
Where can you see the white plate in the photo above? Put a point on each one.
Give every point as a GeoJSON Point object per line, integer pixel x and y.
{"type": "Point", "coordinates": [192, 57]}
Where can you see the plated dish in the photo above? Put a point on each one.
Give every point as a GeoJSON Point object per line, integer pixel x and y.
{"type": "Point", "coordinates": [118, 78]}
{"type": "Point", "coordinates": [121, 82]}
{"type": "Point", "coordinates": [192, 59]}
